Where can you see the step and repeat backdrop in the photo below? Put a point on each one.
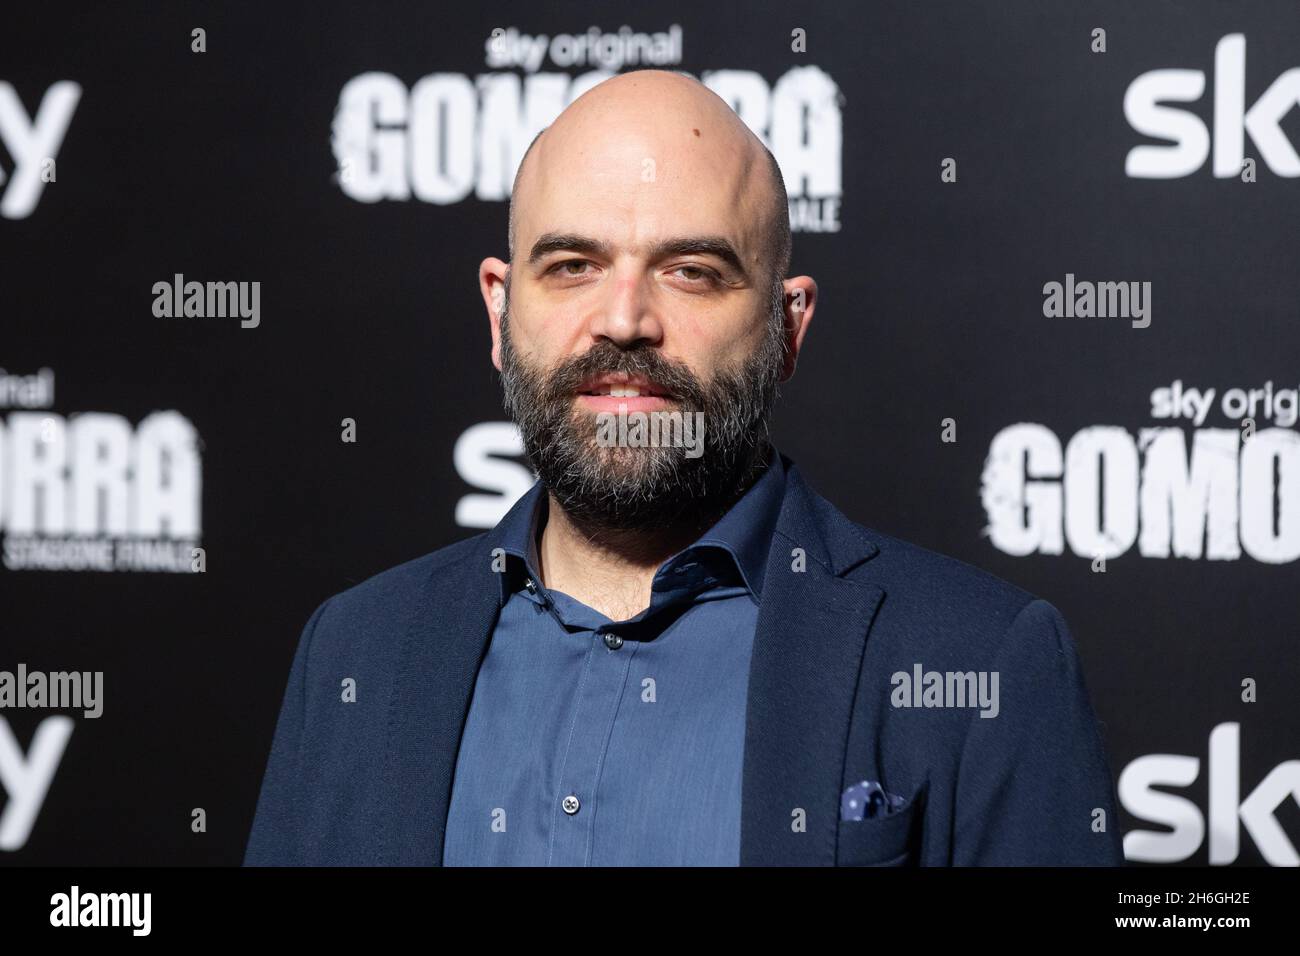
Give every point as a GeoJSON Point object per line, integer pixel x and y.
{"type": "Point", "coordinates": [244, 363]}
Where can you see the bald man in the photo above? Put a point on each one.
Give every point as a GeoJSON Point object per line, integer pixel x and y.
{"type": "Point", "coordinates": [672, 651]}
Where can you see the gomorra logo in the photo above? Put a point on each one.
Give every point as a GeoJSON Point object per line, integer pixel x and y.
{"type": "Point", "coordinates": [91, 493]}
{"type": "Point", "coordinates": [450, 137]}
{"type": "Point", "coordinates": [1106, 492]}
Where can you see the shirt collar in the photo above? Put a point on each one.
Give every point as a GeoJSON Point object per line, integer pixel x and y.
{"type": "Point", "coordinates": [744, 534]}
{"type": "Point", "coordinates": [516, 536]}
{"type": "Point", "coordinates": [745, 531]}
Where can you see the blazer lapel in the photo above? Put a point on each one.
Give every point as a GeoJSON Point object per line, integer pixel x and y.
{"type": "Point", "coordinates": [445, 642]}
{"type": "Point", "coordinates": [808, 649]}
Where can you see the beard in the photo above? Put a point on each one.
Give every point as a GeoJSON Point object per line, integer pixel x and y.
{"type": "Point", "coordinates": [629, 488]}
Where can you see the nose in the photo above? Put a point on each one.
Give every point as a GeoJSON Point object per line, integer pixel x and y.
{"type": "Point", "coordinates": [627, 315]}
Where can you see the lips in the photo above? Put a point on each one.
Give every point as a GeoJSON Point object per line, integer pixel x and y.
{"type": "Point", "coordinates": [622, 385]}
{"type": "Point", "coordinates": [620, 392]}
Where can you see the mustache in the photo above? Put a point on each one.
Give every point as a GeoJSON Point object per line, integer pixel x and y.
{"type": "Point", "coordinates": [606, 357]}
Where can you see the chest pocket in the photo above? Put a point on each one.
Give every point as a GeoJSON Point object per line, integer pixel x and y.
{"type": "Point", "coordinates": [892, 839]}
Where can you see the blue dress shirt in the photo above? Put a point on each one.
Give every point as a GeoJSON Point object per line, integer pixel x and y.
{"type": "Point", "coordinates": [591, 742]}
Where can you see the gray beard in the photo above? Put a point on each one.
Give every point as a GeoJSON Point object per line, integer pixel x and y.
{"type": "Point", "coordinates": [645, 488]}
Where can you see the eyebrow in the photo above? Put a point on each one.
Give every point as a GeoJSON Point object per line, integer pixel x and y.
{"type": "Point", "coordinates": [716, 246]}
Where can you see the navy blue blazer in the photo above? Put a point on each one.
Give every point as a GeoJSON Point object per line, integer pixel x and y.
{"type": "Point", "coordinates": [369, 783]}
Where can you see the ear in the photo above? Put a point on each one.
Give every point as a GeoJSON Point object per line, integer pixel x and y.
{"type": "Point", "coordinates": [800, 302]}
{"type": "Point", "coordinates": [492, 284]}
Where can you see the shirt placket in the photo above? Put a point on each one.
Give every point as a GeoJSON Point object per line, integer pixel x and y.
{"type": "Point", "coordinates": [578, 797]}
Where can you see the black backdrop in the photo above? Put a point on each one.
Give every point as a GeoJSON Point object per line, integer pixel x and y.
{"type": "Point", "coordinates": [225, 165]}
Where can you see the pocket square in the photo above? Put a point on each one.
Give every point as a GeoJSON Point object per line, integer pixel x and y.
{"type": "Point", "coordinates": [866, 800]}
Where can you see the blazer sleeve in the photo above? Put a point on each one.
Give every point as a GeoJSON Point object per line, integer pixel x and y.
{"type": "Point", "coordinates": [276, 836]}
{"type": "Point", "coordinates": [1032, 780]}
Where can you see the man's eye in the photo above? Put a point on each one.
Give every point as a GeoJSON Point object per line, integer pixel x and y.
{"type": "Point", "coordinates": [572, 267]}
{"type": "Point", "coordinates": [696, 273]}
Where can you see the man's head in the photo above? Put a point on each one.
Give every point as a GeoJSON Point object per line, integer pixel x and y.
{"type": "Point", "coordinates": [779, 244]}
{"type": "Point", "coordinates": [649, 239]}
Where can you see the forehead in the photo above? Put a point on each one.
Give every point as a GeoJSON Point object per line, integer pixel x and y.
{"type": "Point", "coordinates": [631, 187]}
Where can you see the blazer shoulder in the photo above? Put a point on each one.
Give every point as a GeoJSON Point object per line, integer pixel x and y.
{"type": "Point", "coordinates": [900, 565]}
{"type": "Point", "coordinates": [925, 564]}
{"type": "Point", "coordinates": [947, 602]}
{"type": "Point", "coordinates": [945, 586]}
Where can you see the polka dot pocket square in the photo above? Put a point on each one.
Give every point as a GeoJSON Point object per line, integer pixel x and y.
{"type": "Point", "coordinates": [867, 800]}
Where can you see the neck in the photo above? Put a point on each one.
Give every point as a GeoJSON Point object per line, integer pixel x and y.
{"type": "Point", "coordinates": [612, 569]}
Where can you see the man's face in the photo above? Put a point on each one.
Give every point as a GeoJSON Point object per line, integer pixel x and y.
{"type": "Point", "coordinates": [642, 269]}
{"type": "Point", "coordinates": [559, 411]}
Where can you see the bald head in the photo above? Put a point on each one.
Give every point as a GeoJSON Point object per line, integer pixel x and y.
{"type": "Point", "coordinates": [656, 128]}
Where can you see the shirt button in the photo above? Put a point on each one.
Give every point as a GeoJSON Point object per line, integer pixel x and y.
{"type": "Point", "coordinates": [570, 804]}
{"type": "Point", "coordinates": [613, 641]}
